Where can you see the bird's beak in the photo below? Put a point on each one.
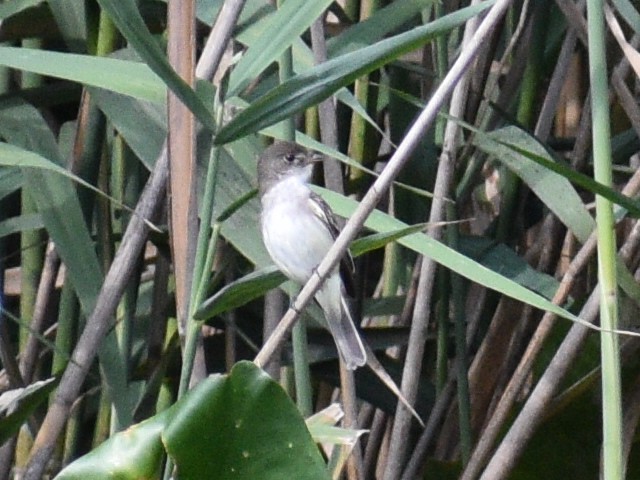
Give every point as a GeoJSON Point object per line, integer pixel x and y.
{"type": "Point", "coordinates": [316, 157]}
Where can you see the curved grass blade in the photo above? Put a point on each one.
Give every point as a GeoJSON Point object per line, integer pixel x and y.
{"type": "Point", "coordinates": [13, 156]}
{"type": "Point", "coordinates": [129, 78]}
{"type": "Point", "coordinates": [323, 80]}
{"type": "Point", "coordinates": [21, 223]}
{"type": "Point", "coordinates": [382, 22]}
{"type": "Point", "coordinates": [127, 18]}
{"type": "Point", "coordinates": [584, 181]}
{"type": "Point", "coordinates": [285, 26]}
{"type": "Point", "coordinates": [509, 145]}
{"type": "Point", "coordinates": [240, 292]}
{"type": "Point", "coordinates": [16, 405]}
{"type": "Point", "coordinates": [366, 244]}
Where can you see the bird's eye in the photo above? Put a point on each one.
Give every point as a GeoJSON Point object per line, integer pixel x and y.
{"type": "Point", "coordinates": [289, 157]}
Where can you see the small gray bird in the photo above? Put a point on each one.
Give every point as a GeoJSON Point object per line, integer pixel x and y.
{"type": "Point", "coordinates": [298, 228]}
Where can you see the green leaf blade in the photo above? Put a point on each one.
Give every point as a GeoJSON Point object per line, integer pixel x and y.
{"type": "Point", "coordinates": [129, 78]}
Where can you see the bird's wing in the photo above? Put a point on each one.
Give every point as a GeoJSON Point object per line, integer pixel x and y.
{"type": "Point", "coordinates": [323, 211]}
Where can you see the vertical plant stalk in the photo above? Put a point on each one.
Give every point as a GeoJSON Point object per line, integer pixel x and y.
{"type": "Point", "coordinates": [221, 30]}
{"type": "Point", "coordinates": [442, 283]}
{"type": "Point", "coordinates": [181, 150]}
{"type": "Point", "coordinates": [207, 236]}
{"type": "Point", "coordinates": [327, 114]}
{"type": "Point", "coordinates": [30, 350]}
{"type": "Point", "coordinates": [31, 241]}
{"type": "Point", "coordinates": [462, 361]}
{"type": "Point", "coordinates": [441, 64]}
{"type": "Point", "coordinates": [209, 231]}
{"type": "Point", "coordinates": [362, 144]}
{"type": "Point", "coordinates": [205, 248]}
{"type": "Point", "coordinates": [610, 352]}
{"type": "Point", "coordinates": [32, 256]}
{"type": "Point", "coordinates": [181, 142]}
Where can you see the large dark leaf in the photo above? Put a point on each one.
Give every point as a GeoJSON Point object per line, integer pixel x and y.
{"type": "Point", "coordinates": [243, 426]}
{"type": "Point", "coordinates": [240, 426]}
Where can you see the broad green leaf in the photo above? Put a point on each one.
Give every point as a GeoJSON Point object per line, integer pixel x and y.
{"type": "Point", "coordinates": [11, 7]}
{"type": "Point", "coordinates": [241, 292]}
{"type": "Point", "coordinates": [129, 78]}
{"type": "Point", "coordinates": [502, 259]}
{"type": "Point", "coordinates": [127, 18]}
{"type": "Point", "coordinates": [17, 405]}
{"type": "Point", "coordinates": [318, 83]}
{"type": "Point", "coordinates": [284, 26]}
{"type": "Point", "coordinates": [241, 426]}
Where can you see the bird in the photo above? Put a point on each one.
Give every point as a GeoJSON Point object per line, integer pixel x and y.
{"type": "Point", "coordinates": [298, 229]}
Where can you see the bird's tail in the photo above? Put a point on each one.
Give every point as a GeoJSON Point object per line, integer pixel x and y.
{"type": "Point", "coordinates": [341, 323]}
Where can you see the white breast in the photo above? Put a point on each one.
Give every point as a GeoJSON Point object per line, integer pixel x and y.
{"type": "Point", "coordinates": [295, 238]}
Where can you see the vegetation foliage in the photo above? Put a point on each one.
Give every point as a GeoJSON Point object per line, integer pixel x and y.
{"type": "Point", "coordinates": [466, 144]}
